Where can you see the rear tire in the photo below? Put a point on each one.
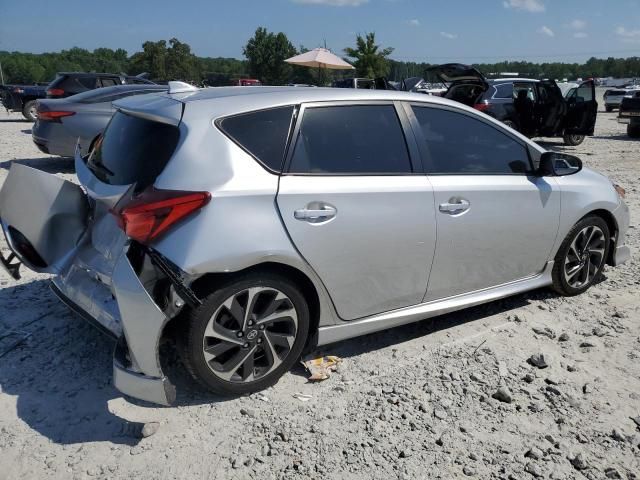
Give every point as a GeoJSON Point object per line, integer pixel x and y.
{"type": "Point", "coordinates": [29, 111]}
{"type": "Point", "coordinates": [581, 257]}
{"type": "Point", "coordinates": [234, 352]}
{"type": "Point", "coordinates": [633, 131]}
{"type": "Point", "coordinates": [573, 140]}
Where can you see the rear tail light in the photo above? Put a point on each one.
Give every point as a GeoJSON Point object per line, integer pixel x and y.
{"type": "Point", "coordinates": [148, 215]}
{"type": "Point", "coordinates": [55, 92]}
{"type": "Point", "coordinates": [483, 107]}
{"type": "Point", "coordinates": [18, 90]}
{"type": "Point", "coordinates": [53, 115]}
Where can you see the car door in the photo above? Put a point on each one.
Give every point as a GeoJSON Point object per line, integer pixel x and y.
{"type": "Point", "coordinates": [582, 110]}
{"type": "Point", "coordinates": [357, 206]}
{"type": "Point", "coordinates": [496, 222]}
{"type": "Point", "coordinates": [551, 109]}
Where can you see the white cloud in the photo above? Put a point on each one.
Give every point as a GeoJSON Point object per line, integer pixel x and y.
{"type": "Point", "coordinates": [450, 36]}
{"type": "Point", "coordinates": [414, 22]}
{"type": "Point", "coordinates": [580, 35]}
{"type": "Point", "coordinates": [535, 6]}
{"type": "Point", "coordinates": [544, 30]}
{"type": "Point", "coordinates": [333, 3]}
{"type": "Point", "coordinates": [629, 36]}
{"type": "Point", "coordinates": [578, 24]}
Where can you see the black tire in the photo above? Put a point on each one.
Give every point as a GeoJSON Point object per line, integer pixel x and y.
{"type": "Point", "coordinates": [560, 283]}
{"type": "Point", "coordinates": [633, 131]}
{"type": "Point", "coordinates": [573, 140]}
{"type": "Point", "coordinates": [193, 340]}
{"type": "Point", "coordinates": [29, 110]}
{"type": "Point", "coordinates": [608, 108]}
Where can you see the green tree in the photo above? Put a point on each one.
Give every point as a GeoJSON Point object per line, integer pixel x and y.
{"type": "Point", "coordinates": [370, 60]}
{"type": "Point", "coordinates": [152, 59]}
{"type": "Point", "coordinates": [181, 64]}
{"type": "Point", "coordinates": [266, 53]}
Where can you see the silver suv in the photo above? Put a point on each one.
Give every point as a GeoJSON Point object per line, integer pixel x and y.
{"type": "Point", "coordinates": [263, 221]}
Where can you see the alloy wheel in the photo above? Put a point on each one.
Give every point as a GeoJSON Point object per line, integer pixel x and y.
{"type": "Point", "coordinates": [584, 257]}
{"type": "Point", "coordinates": [250, 334]}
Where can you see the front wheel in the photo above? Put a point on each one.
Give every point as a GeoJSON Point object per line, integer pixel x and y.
{"type": "Point", "coordinates": [29, 111]}
{"type": "Point", "coordinates": [581, 257]}
{"type": "Point", "coordinates": [246, 335]}
{"type": "Point", "coordinates": [573, 140]}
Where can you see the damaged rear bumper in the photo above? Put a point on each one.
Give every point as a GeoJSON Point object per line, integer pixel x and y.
{"type": "Point", "coordinates": [125, 311]}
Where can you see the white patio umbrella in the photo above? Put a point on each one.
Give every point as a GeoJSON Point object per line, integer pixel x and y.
{"type": "Point", "coordinates": [320, 58]}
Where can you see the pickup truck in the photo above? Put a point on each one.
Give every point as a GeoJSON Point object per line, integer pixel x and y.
{"type": "Point", "coordinates": [630, 114]}
{"type": "Point", "coordinates": [22, 98]}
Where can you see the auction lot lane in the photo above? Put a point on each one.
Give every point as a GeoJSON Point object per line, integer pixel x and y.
{"type": "Point", "coordinates": [414, 402]}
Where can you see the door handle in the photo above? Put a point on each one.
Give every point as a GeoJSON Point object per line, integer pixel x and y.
{"type": "Point", "coordinates": [456, 205]}
{"type": "Point", "coordinates": [319, 213]}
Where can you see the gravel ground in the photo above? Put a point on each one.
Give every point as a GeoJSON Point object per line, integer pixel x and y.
{"type": "Point", "coordinates": [451, 397]}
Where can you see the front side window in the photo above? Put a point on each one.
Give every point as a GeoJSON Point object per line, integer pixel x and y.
{"type": "Point", "coordinates": [353, 139]}
{"type": "Point", "coordinates": [459, 144]}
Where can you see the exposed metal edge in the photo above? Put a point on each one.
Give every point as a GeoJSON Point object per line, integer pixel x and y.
{"type": "Point", "coordinates": [403, 316]}
{"type": "Point", "coordinates": [77, 309]}
{"type": "Point", "coordinates": [137, 385]}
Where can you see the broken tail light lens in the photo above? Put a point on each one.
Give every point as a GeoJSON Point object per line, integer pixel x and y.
{"type": "Point", "coordinates": [147, 216]}
{"type": "Point", "coordinates": [53, 115]}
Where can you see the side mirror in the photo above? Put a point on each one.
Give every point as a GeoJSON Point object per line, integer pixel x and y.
{"type": "Point", "coordinates": [554, 164]}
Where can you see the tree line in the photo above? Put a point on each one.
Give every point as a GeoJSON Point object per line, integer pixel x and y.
{"type": "Point", "coordinates": [265, 53]}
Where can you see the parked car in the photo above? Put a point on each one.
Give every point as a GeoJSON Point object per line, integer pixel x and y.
{"type": "Point", "coordinates": [630, 114]}
{"type": "Point", "coordinates": [613, 98]}
{"type": "Point", "coordinates": [63, 122]}
{"type": "Point", "coordinates": [364, 83]}
{"type": "Point", "coordinates": [71, 83]}
{"type": "Point", "coordinates": [22, 98]}
{"type": "Point", "coordinates": [258, 223]}
{"type": "Point", "coordinates": [535, 108]}
{"type": "Point", "coordinates": [420, 85]}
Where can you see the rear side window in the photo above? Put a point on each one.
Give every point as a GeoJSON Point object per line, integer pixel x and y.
{"type": "Point", "coordinates": [504, 90]}
{"type": "Point", "coordinates": [133, 150]}
{"type": "Point", "coordinates": [355, 139]}
{"type": "Point", "coordinates": [109, 82]}
{"type": "Point", "coordinates": [458, 144]}
{"type": "Point", "coordinates": [263, 134]}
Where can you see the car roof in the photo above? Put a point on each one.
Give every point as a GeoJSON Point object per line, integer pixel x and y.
{"type": "Point", "coordinates": [95, 74]}
{"type": "Point", "coordinates": [300, 95]}
{"type": "Point", "coordinates": [497, 81]}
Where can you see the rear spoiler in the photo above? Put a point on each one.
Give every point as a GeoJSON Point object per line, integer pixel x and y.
{"type": "Point", "coordinates": [155, 107]}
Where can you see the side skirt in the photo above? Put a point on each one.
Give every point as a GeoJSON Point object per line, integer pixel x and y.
{"type": "Point", "coordinates": [395, 318]}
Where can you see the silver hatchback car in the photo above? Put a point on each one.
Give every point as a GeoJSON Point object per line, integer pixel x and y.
{"type": "Point", "coordinates": [263, 221]}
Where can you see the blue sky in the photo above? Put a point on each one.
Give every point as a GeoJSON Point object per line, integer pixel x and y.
{"type": "Point", "coordinates": [420, 30]}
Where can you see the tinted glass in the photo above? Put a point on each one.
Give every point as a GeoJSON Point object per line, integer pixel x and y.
{"type": "Point", "coordinates": [109, 82]}
{"type": "Point", "coordinates": [584, 93]}
{"type": "Point", "coordinates": [364, 139]}
{"type": "Point", "coordinates": [133, 150]}
{"type": "Point", "coordinates": [504, 91]}
{"type": "Point", "coordinates": [459, 144]}
{"type": "Point", "coordinates": [263, 134]}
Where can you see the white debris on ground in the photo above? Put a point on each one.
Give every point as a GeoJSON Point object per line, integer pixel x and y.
{"type": "Point", "coordinates": [533, 386]}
